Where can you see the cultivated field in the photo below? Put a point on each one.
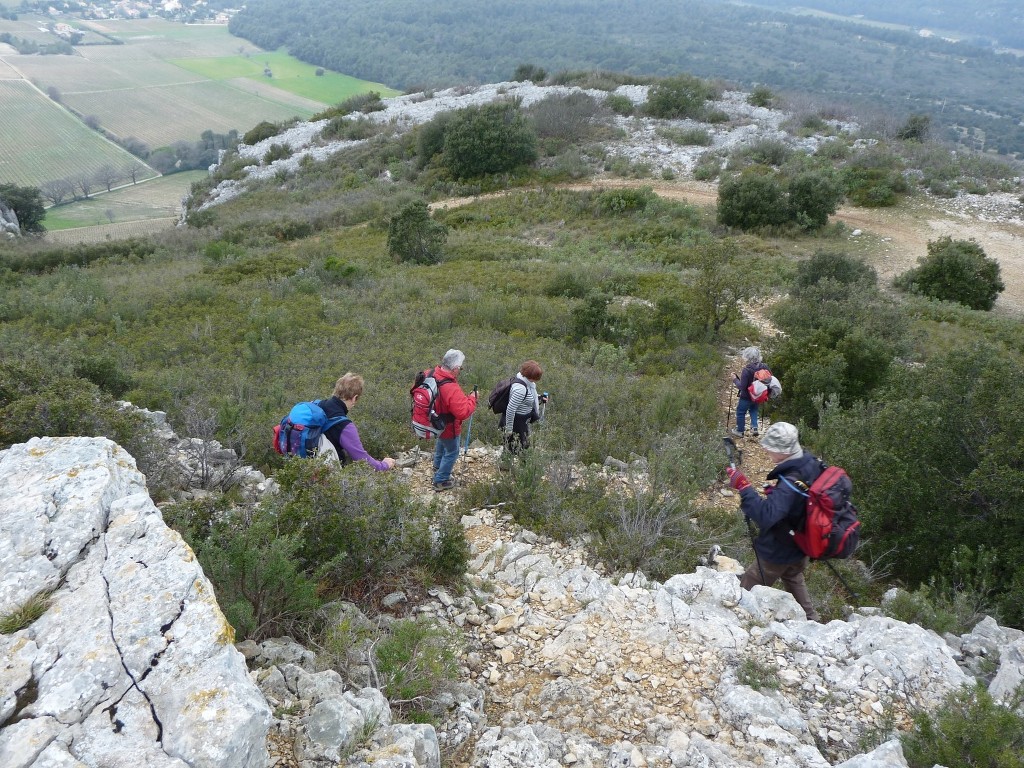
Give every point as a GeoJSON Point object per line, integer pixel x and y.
{"type": "Point", "coordinates": [287, 73]}
{"type": "Point", "coordinates": [28, 28]}
{"type": "Point", "coordinates": [166, 82]}
{"type": "Point", "coordinates": [164, 114]}
{"type": "Point", "coordinates": [103, 232]}
{"type": "Point", "coordinates": [158, 198]}
{"type": "Point", "coordinates": [40, 141]}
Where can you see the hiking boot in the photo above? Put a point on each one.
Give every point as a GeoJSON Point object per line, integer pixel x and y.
{"type": "Point", "coordinates": [736, 432]}
{"type": "Point", "coordinates": [755, 433]}
{"type": "Point", "coordinates": [445, 486]}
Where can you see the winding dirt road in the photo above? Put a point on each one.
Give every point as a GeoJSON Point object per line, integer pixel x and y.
{"type": "Point", "coordinates": [890, 239]}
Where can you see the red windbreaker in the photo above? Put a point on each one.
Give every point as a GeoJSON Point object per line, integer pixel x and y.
{"type": "Point", "coordinates": [452, 400]}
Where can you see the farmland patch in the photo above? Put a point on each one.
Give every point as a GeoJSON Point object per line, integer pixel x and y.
{"type": "Point", "coordinates": [162, 115]}
{"type": "Point", "coordinates": [158, 198]}
{"type": "Point", "coordinates": [42, 141]}
{"type": "Point", "coordinates": [286, 73]}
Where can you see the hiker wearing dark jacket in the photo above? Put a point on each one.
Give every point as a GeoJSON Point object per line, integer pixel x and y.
{"type": "Point", "coordinates": [523, 407]}
{"type": "Point", "coordinates": [752, 363]}
{"type": "Point", "coordinates": [344, 437]}
{"type": "Point", "coordinates": [782, 509]}
{"type": "Point", "coordinates": [456, 406]}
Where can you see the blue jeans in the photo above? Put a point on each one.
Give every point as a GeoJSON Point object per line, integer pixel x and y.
{"type": "Point", "coordinates": [742, 408]}
{"type": "Point", "coordinates": [446, 452]}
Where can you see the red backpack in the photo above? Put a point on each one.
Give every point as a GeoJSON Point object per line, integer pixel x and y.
{"type": "Point", "coordinates": [761, 388]}
{"type": "Point", "coordinates": [427, 423]}
{"type": "Point", "coordinates": [831, 529]}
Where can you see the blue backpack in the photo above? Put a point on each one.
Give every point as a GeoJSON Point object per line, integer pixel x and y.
{"type": "Point", "coordinates": [299, 432]}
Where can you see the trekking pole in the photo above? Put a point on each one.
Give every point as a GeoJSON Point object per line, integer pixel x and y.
{"type": "Point", "coordinates": [735, 457]}
{"type": "Point", "coordinates": [842, 581]}
{"type": "Point", "coordinates": [728, 413]}
{"type": "Point", "coordinates": [469, 429]}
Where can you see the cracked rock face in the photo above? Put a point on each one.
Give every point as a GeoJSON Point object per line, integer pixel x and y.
{"type": "Point", "coordinates": [131, 661]}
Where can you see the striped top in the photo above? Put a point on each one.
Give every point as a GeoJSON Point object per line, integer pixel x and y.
{"type": "Point", "coordinates": [522, 399]}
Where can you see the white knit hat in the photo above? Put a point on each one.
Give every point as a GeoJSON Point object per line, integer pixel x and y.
{"type": "Point", "coordinates": [781, 437]}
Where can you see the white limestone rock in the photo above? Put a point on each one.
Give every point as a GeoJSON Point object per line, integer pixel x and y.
{"type": "Point", "coordinates": [132, 663]}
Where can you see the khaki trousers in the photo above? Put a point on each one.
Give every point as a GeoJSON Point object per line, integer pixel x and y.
{"type": "Point", "coordinates": [792, 575]}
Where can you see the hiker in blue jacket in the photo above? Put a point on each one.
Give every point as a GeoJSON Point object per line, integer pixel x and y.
{"type": "Point", "coordinates": [782, 509]}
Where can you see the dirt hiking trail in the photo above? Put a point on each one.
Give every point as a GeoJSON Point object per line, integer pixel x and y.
{"type": "Point", "coordinates": [890, 239]}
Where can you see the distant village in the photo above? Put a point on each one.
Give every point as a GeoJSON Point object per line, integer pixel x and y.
{"type": "Point", "coordinates": [175, 10]}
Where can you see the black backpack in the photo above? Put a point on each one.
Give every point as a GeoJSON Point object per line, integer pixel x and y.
{"type": "Point", "coordinates": [498, 399]}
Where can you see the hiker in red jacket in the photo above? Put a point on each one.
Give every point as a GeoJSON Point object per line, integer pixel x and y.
{"type": "Point", "coordinates": [456, 406]}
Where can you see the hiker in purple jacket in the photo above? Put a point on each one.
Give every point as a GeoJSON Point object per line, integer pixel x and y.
{"type": "Point", "coordinates": [344, 437]}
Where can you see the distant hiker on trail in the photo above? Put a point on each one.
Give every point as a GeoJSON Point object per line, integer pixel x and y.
{"type": "Point", "coordinates": [455, 406]}
{"type": "Point", "coordinates": [523, 407]}
{"type": "Point", "coordinates": [343, 438]}
{"type": "Point", "coordinates": [751, 364]}
{"type": "Point", "coordinates": [781, 510]}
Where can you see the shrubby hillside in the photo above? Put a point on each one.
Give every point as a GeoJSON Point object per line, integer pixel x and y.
{"type": "Point", "coordinates": [632, 302]}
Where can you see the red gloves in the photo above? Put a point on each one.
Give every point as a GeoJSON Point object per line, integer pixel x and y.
{"type": "Point", "coordinates": [737, 479]}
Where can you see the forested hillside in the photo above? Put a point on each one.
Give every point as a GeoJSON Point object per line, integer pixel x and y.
{"type": "Point", "coordinates": [971, 92]}
{"type": "Point", "coordinates": [1000, 22]}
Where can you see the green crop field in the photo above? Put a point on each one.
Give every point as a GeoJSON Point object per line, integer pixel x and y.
{"type": "Point", "coordinates": [287, 73]}
{"type": "Point", "coordinates": [166, 82]}
{"type": "Point", "coordinates": [41, 141]}
{"type": "Point", "coordinates": [157, 198]}
{"type": "Point", "coordinates": [162, 115]}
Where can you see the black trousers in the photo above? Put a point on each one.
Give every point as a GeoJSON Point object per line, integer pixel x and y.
{"type": "Point", "coordinates": [518, 438]}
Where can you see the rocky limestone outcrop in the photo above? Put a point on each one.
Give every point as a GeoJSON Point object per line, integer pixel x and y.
{"type": "Point", "coordinates": [9, 226]}
{"type": "Point", "coordinates": [132, 662]}
{"type": "Point", "coordinates": [563, 665]}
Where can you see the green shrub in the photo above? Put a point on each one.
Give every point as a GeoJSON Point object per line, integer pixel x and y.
{"type": "Point", "coordinates": [955, 270]}
{"type": "Point", "coordinates": [260, 583]}
{"type": "Point", "coordinates": [360, 102]}
{"type": "Point", "coordinates": [761, 96]}
{"type": "Point", "coordinates": [751, 200]}
{"type": "Point", "coordinates": [416, 660]}
{"type": "Point", "coordinates": [529, 72]}
{"type": "Point", "coordinates": [970, 729]}
{"type": "Point", "coordinates": [813, 197]}
{"type": "Point", "coordinates": [687, 137]}
{"type": "Point", "coordinates": [363, 528]}
{"type": "Point", "coordinates": [757, 675]}
{"type": "Point", "coordinates": [277, 152]}
{"type": "Point", "coordinates": [832, 265]}
{"type": "Point", "coordinates": [259, 132]}
{"type": "Point", "coordinates": [679, 97]}
{"type": "Point", "coordinates": [620, 104]}
{"type": "Point", "coordinates": [492, 138]}
{"type": "Point", "coordinates": [941, 612]}
{"type": "Point", "coordinates": [626, 200]}
{"type": "Point", "coordinates": [414, 236]}
{"type": "Point", "coordinates": [564, 116]}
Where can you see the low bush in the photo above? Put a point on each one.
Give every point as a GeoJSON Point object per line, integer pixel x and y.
{"type": "Point", "coordinates": [970, 729]}
{"type": "Point", "coordinates": [679, 97]}
{"type": "Point", "coordinates": [260, 132]}
{"type": "Point", "coordinates": [955, 270]}
{"type": "Point", "coordinates": [416, 659]}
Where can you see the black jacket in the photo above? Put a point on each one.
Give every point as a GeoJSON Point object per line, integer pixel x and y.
{"type": "Point", "coordinates": [334, 408]}
{"type": "Point", "coordinates": [782, 510]}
